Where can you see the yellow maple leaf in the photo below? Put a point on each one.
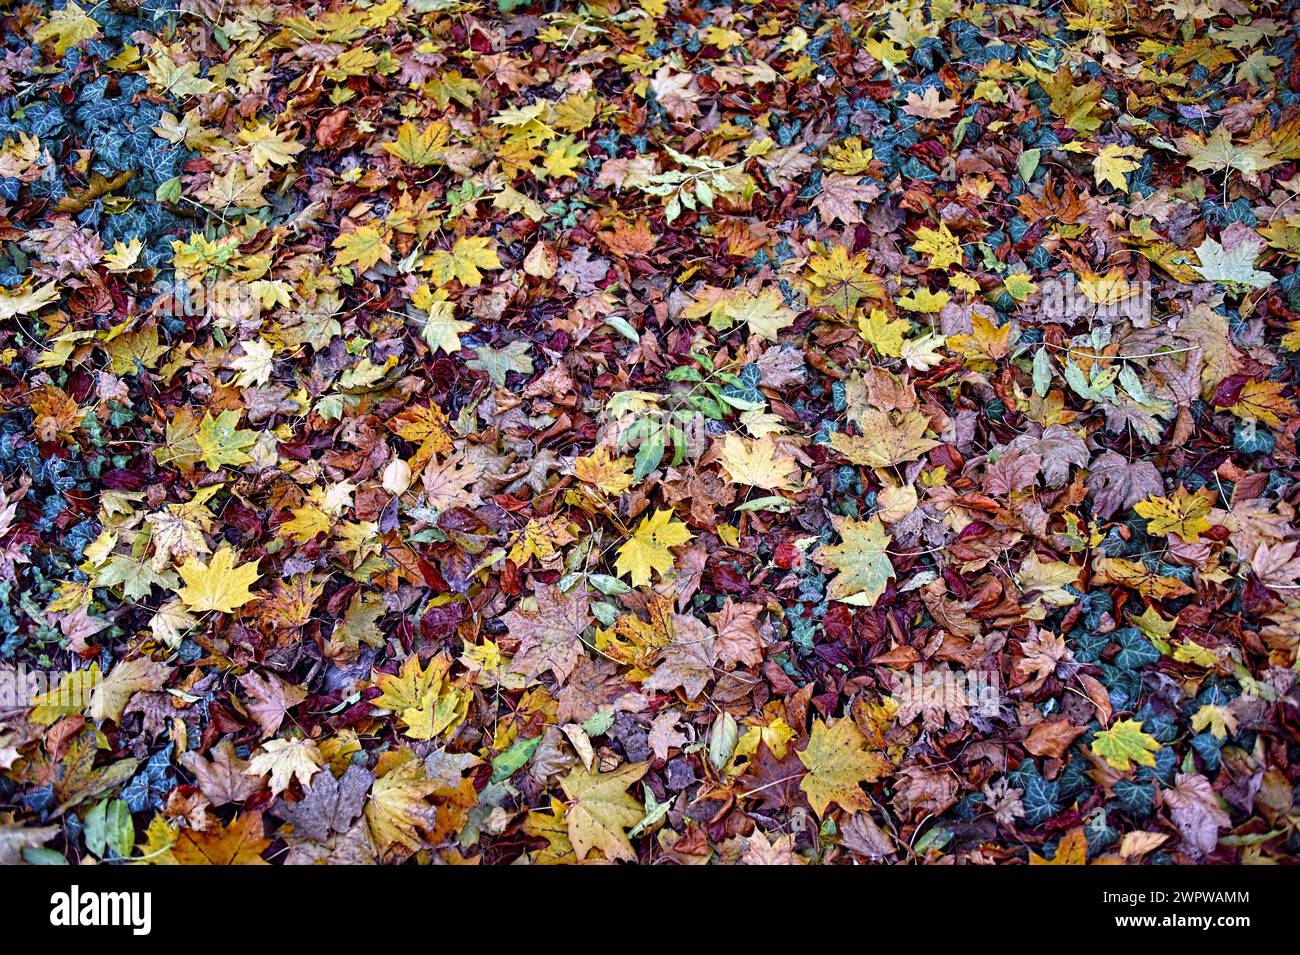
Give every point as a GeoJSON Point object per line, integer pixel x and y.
{"type": "Point", "coordinates": [27, 299]}
{"type": "Point", "coordinates": [941, 245]}
{"type": "Point", "coordinates": [1263, 401]}
{"type": "Point", "coordinates": [1147, 582]}
{"type": "Point", "coordinates": [123, 255]}
{"type": "Point", "coordinates": [420, 147]}
{"type": "Point", "coordinates": [364, 247]}
{"type": "Point", "coordinates": [1044, 582]}
{"type": "Point", "coordinates": [1113, 161]}
{"type": "Point", "coordinates": [840, 282]}
{"type": "Point", "coordinates": [541, 538]}
{"type": "Point", "coordinates": [423, 699]}
{"type": "Point", "coordinates": [1183, 515]}
{"type": "Point", "coordinates": [883, 333]}
{"type": "Point", "coordinates": [837, 761]}
{"type": "Point", "coordinates": [602, 810]}
{"type": "Point", "coordinates": [397, 808]}
{"type": "Point", "coordinates": [442, 330]}
{"type": "Point", "coordinates": [67, 27]}
{"type": "Point", "coordinates": [1109, 289]}
{"type": "Point", "coordinates": [427, 426]}
{"type": "Point", "coordinates": [923, 300]}
{"type": "Point", "coordinates": [554, 828]}
{"type": "Point", "coordinates": [268, 147]}
{"type": "Point", "coordinates": [765, 313]}
{"type": "Point", "coordinates": [220, 442]}
{"type": "Point", "coordinates": [864, 568]}
{"type": "Point", "coordinates": [608, 474]}
{"type": "Point", "coordinates": [1019, 286]}
{"type": "Point", "coordinates": [284, 760]}
{"type": "Point", "coordinates": [220, 585]}
{"type": "Point", "coordinates": [646, 551]}
{"type": "Point", "coordinates": [985, 345]}
{"type": "Point", "coordinates": [306, 523]}
{"type": "Point", "coordinates": [564, 158]}
{"type": "Point", "coordinates": [463, 262]}
{"type": "Point", "coordinates": [757, 463]}
{"type": "Point", "coordinates": [1124, 744]}
{"type": "Point", "coordinates": [1071, 850]}
{"type": "Point", "coordinates": [884, 443]}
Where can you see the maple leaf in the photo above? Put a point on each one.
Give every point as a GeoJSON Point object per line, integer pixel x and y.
{"type": "Point", "coordinates": [664, 735]}
{"type": "Point", "coordinates": [240, 843]}
{"type": "Point", "coordinates": [220, 585]}
{"type": "Point", "coordinates": [764, 313]}
{"type": "Point", "coordinates": [1112, 162]}
{"type": "Point", "coordinates": [1045, 582]}
{"type": "Point", "coordinates": [839, 198]}
{"type": "Point", "coordinates": [1183, 515]}
{"type": "Point", "coordinates": [442, 330]}
{"type": "Point", "coordinates": [985, 345]}
{"type": "Point", "coordinates": [365, 247]}
{"type": "Point", "coordinates": [1276, 565]}
{"type": "Point", "coordinates": [840, 282]}
{"type": "Point", "coordinates": [1219, 153]}
{"type": "Point", "coordinates": [328, 804]}
{"type": "Point", "coordinates": [398, 809]}
{"type": "Point", "coordinates": [222, 778]}
{"type": "Point", "coordinates": [601, 810]}
{"type": "Point", "coordinates": [111, 695]}
{"type": "Point", "coordinates": [1071, 850]}
{"type": "Point", "coordinates": [420, 147]}
{"type": "Point", "coordinates": [221, 442]}
{"type": "Point", "coordinates": [738, 637]}
{"type": "Point", "coordinates": [26, 300]}
{"type": "Point", "coordinates": [67, 27]}
{"type": "Point", "coordinates": [1116, 484]}
{"type": "Point", "coordinates": [837, 762]}
{"type": "Point", "coordinates": [646, 552]}
{"type": "Point", "coordinates": [550, 637]}
{"type": "Point", "coordinates": [864, 568]}
{"type": "Point", "coordinates": [760, 851]}
{"type": "Point", "coordinates": [235, 188]}
{"type": "Point", "coordinates": [1195, 810]}
{"type": "Point", "coordinates": [255, 365]}
{"type": "Point", "coordinates": [1147, 582]}
{"type": "Point", "coordinates": [271, 700]}
{"type": "Point", "coordinates": [499, 362]}
{"type": "Point", "coordinates": [285, 760]}
{"type": "Point", "coordinates": [929, 104]}
{"type": "Point", "coordinates": [1124, 744]}
{"type": "Point", "coordinates": [423, 699]}
{"type": "Point", "coordinates": [883, 443]}
{"type": "Point", "coordinates": [611, 475]}
{"type": "Point", "coordinates": [884, 334]}
{"type": "Point", "coordinates": [463, 262]}
{"type": "Point", "coordinates": [553, 827]}
{"type": "Point", "coordinates": [123, 255]}
{"type": "Point", "coordinates": [427, 426]}
{"type": "Point", "coordinates": [177, 535]}
{"type": "Point", "coordinates": [1235, 266]}
{"type": "Point", "coordinates": [941, 245]}
{"type": "Point", "coordinates": [687, 660]}
{"type": "Point", "coordinates": [269, 146]}
{"type": "Point", "coordinates": [757, 463]}
{"type": "Point", "coordinates": [564, 158]}
{"type": "Point", "coordinates": [1263, 401]}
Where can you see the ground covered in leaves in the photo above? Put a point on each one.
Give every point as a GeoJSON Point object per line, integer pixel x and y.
{"type": "Point", "coordinates": [683, 432]}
